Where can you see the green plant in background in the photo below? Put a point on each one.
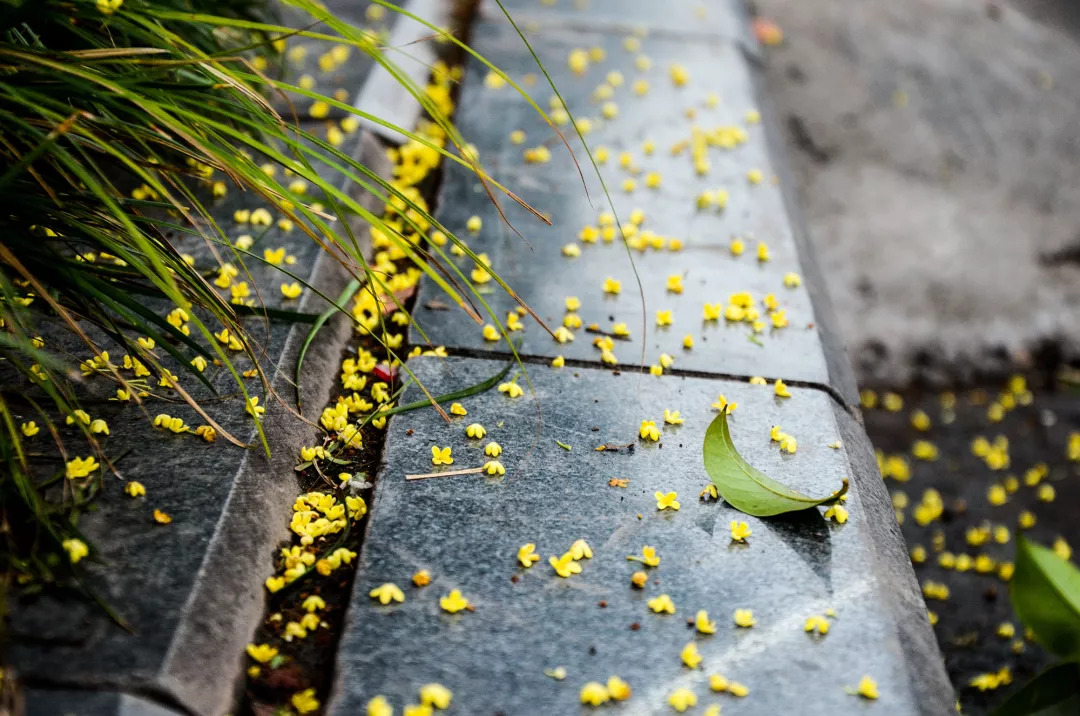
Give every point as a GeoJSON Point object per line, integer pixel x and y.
{"type": "Point", "coordinates": [119, 120]}
{"type": "Point", "coordinates": [1045, 592]}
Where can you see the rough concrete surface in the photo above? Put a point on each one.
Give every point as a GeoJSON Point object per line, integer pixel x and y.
{"type": "Point", "coordinates": [935, 147]}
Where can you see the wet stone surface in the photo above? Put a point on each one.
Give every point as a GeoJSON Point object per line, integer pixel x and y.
{"type": "Point", "coordinates": [190, 590]}
{"type": "Point", "coordinates": [466, 531]}
{"type": "Point", "coordinates": [334, 69]}
{"type": "Point", "coordinates": [535, 263]}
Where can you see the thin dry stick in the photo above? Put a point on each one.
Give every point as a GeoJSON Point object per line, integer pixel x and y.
{"type": "Point", "coordinates": [469, 471]}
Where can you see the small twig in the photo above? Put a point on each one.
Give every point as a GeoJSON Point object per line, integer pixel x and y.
{"type": "Point", "coordinates": [469, 471]}
{"type": "Point", "coordinates": [593, 328]}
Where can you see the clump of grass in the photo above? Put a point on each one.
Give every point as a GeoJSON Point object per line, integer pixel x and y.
{"type": "Point", "coordinates": [118, 121]}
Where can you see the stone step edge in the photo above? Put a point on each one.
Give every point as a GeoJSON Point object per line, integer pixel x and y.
{"type": "Point", "coordinates": [628, 367]}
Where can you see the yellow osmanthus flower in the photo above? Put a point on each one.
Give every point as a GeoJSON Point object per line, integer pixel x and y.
{"type": "Point", "coordinates": [29, 429]}
{"type": "Point", "coordinates": [80, 467]}
{"type": "Point", "coordinates": [690, 655]}
{"type": "Point", "coordinates": [458, 409]}
{"type": "Point", "coordinates": [662, 604]}
{"type": "Point", "coordinates": [385, 593]}
{"type": "Point", "coordinates": [494, 467]}
{"type": "Point", "coordinates": [649, 431]}
{"type": "Point", "coordinates": [682, 699]}
{"type": "Point", "coordinates": [493, 449]}
{"type": "Point", "coordinates": [648, 557]}
{"type": "Point", "coordinates": [304, 701]}
{"type": "Point", "coordinates": [703, 624]}
{"type": "Point", "coordinates": [441, 456]}
{"type": "Point", "coordinates": [558, 673]}
{"type": "Point", "coordinates": [562, 334]}
{"type": "Point", "coordinates": [108, 7]}
{"type": "Point", "coordinates": [594, 694]}
{"type": "Point", "coordinates": [639, 579]}
{"type": "Point", "coordinates": [709, 491]}
{"type": "Point", "coordinates": [618, 689]}
{"type": "Point", "coordinates": [665, 501]}
{"type": "Point", "coordinates": [162, 518]}
{"type": "Point", "coordinates": [867, 688]}
{"type": "Point", "coordinates": [378, 706]}
{"type": "Point", "coordinates": [454, 602]}
{"type": "Point", "coordinates": [313, 604]}
{"type": "Point", "coordinates": [837, 513]}
{"type": "Point", "coordinates": [612, 286]}
{"type": "Point", "coordinates": [781, 389]}
{"type": "Point", "coordinates": [170, 423]}
{"type": "Point", "coordinates": [744, 618]}
{"type": "Point", "coordinates": [565, 565]}
{"type": "Point", "coordinates": [558, 362]}
{"type": "Point", "coordinates": [436, 695]}
{"type": "Point", "coordinates": [527, 555]}
{"type": "Point", "coordinates": [817, 624]}
{"type": "Point", "coordinates": [740, 531]}
{"type": "Point", "coordinates": [475, 430]}
{"type": "Point", "coordinates": [261, 653]}
{"type": "Point", "coordinates": [671, 417]}
{"type": "Point", "coordinates": [512, 389]}
{"type": "Point", "coordinates": [253, 408]}
{"type": "Point", "coordinates": [924, 450]}
{"type": "Point", "coordinates": [134, 489]}
{"type": "Point", "coordinates": [724, 405]}
{"type": "Point", "coordinates": [75, 548]}
{"type": "Point", "coordinates": [581, 550]}
{"type": "Point", "coordinates": [291, 290]}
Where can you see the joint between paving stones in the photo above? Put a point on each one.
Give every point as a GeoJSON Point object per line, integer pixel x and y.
{"type": "Point", "coordinates": [533, 359]}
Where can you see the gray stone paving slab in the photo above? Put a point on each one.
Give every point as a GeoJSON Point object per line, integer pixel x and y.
{"type": "Point", "coordinates": [191, 590]}
{"type": "Point", "coordinates": [487, 116]}
{"type": "Point", "coordinates": [91, 703]}
{"type": "Point", "coordinates": [466, 531]}
{"type": "Point", "coordinates": [304, 59]}
{"type": "Point", "coordinates": [682, 17]}
{"type": "Point", "coordinates": [544, 278]}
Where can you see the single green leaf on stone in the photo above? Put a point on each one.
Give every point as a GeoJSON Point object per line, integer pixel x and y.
{"type": "Point", "coordinates": [746, 488]}
{"type": "Point", "coordinates": [563, 445]}
{"type": "Point", "coordinates": [1045, 591]}
{"type": "Point", "coordinates": [1054, 692]}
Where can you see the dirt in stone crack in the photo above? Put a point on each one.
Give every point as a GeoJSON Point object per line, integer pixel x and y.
{"type": "Point", "coordinates": [969, 470]}
{"type": "Point", "coordinates": [291, 657]}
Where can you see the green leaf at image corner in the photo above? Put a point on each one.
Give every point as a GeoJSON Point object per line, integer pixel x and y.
{"type": "Point", "coordinates": [1054, 692]}
{"type": "Point", "coordinates": [743, 486]}
{"type": "Point", "coordinates": [1045, 592]}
